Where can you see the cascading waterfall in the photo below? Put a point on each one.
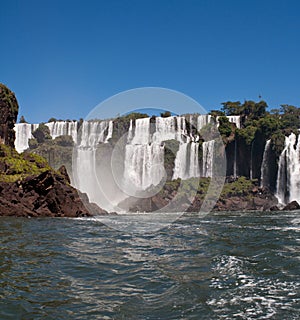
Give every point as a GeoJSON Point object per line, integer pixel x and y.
{"type": "Point", "coordinates": [144, 159]}
{"type": "Point", "coordinates": [143, 162]}
{"type": "Point", "coordinates": [61, 128]}
{"type": "Point", "coordinates": [264, 166]}
{"type": "Point", "coordinates": [235, 159]}
{"type": "Point", "coordinates": [236, 120]}
{"type": "Point", "coordinates": [143, 165]}
{"type": "Point", "coordinates": [23, 134]}
{"type": "Point", "coordinates": [110, 131]}
{"type": "Point", "coordinates": [194, 170]}
{"type": "Point", "coordinates": [142, 131]}
{"type": "Point", "coordinates": [91, 134]}
{"type": "Point", "coordinates": [203, 120]}
{"type": "Point", "coordinates": [208, 157]}
{"type": "Point", "coordinates": [130, 132]}
{"type": "Point", "coordinates": [180, 166]}
{"type": "Point", "coordinates": [288, 176]}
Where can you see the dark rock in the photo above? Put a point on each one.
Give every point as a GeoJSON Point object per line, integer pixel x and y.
{"type": "Point", "coordinates": [294, 205]}
{"type": "Point", "coordinates": [47, 194]}
{"type": "Point", "coordinates": [274, 208]}
{"type": "Point", "coordinates": [8, 116]}
{"type": "Point", "coordinates": [63, 171]}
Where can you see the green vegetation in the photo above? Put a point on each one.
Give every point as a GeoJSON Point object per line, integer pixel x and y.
{"type": "Point", "coordinates": [274, 124]}
{"type": "Point", "coordinates": [225, 128]}
{"type": "Point", "coordinates": [7, 96]}
{"type": "Point", "coordinates": [15, 166]}
{"type": "Point", "coordinates": [57, 152]}
{"type": "Point", "coordinates": [241, 187]}
{"type": "Point", "coordinates": [22, 120]}
{"type": "Point", "coordinates": [165, 114]}
{"type": "Point", "coordinates": [122, 123]}
{"type": "Point", "coordinates": [42, 133]}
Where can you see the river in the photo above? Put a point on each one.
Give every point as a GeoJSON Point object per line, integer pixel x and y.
{"type": "Point", "coordinates": [221, 266]}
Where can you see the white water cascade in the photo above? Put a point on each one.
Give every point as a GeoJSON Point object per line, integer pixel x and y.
{"type": "Point", "coordinates": [23, 134]}
{"type": "Point", "coordinates": [144, 159]}
{"type": "Point", "coordinates": [264, 166]}
{"type": "Point", "coordinates": [236, 120]}
{"type": "Point", "coordinates": [90, 135]}
{"type": "Point", "coordinates": [61, 128]}
{"type": "Point", "coordinates": [208, 157]}
{"type": "Point", "coordinates": [143, 156]}
{"type": "Point", "coordinates": [288, 176]}
{"type": "Point", "coordinates": [203, 120]}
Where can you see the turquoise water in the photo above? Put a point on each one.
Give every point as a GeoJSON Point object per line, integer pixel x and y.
{"type": "Point", "coordinates": [233, 266]}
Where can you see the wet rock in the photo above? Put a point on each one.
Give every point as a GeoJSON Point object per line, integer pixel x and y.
{"type": "Point", "coordinates": [294, 205]}
{"type": "Point", "coordinates": [274, 208]}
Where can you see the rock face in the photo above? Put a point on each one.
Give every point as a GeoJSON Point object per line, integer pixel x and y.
{"type": "Point", "coordinates": [8, 116]}
{"type": "Point", "coordinates": [46, 195]}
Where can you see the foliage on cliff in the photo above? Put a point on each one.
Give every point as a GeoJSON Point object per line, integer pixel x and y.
{"type": "Point", "coordinates": [57, 152]}
{"type": "Point", "coordinates": [15, 166]}
{"type": "Point", "coordinates": [8, 97]}
{"type": "Point", "coordinates": [8, 115]}
{"type": "Point", "coordinates": [255, 117]}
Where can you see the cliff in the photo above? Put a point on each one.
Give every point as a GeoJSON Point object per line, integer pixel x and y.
{"type": "Point", "coordinates": [8, 116]}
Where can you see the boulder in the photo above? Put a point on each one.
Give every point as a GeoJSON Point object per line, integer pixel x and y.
{"type": "Point", "coordinates": [294, 205]}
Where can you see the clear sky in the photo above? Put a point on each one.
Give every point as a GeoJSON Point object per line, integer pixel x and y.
{"type": "Point", "coordinates": [63, 57]}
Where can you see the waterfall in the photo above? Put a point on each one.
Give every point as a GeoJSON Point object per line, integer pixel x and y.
{"type": "Point", "coordinates": [187, 161]}
{"type": "Point", "coordinates": [144, 159]}
{"type": "Point", "coordinates": [194, 160]}
{"type": "Point", "coordinates": [142, 162]}
{"type": "Point", "coordinates": [130, 132]}
{"type": "Point", "coordinates": [236, 120]}
{"type": "Point", "coordinates": [208, 157]}
{"type": "Point", "coordinates": [203, 120]}
{"type": "Point", "coordinates": [91, 134]}
{"type": "Point", "coordinates": [62, 128]}
{"type": "Point", "coordinates": [144, 165]}
{"type": "Point", "coordinates": [142, 131]}
{"type": "Point", "coordinates": [180, 166]}
{"type": "Point", "coordinates": [110, 131]}
{"type": "Point", "coordinates": [251, 156]}
{"type": "Point", "coordinates": [235, 159]}
{"type": "Point", "coordinates": [264, 177]}
{"type": "Point", "coordinates": [288, 176]}
{"type": "Point", "coordinates": [23, 134]}
{"type": "Point", "coordinates": [164, 129]}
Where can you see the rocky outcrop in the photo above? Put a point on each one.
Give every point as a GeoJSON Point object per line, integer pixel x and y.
{"type": "Point", "coordinates": [255, 198]}
{"type": "Point", "coordinates": [8, 116]}
{"type": "Point", "coordinates": [30, 187]}
{"type": "Point", "coordinates": [294, 205]}
{"type": "Point", "coordinates": [45, 195]}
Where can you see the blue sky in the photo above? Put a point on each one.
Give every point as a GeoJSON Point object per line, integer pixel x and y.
{"type": "Point", "coordinates": [62, 58]}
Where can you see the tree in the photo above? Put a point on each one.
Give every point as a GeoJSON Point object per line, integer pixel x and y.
{"type": "Point", "coordinates": [165, 114]}
{"type": "Point", "coordinates": [42, 133]}
{"type": "Point", "coordinates": [225, 128]}
{"type": "Point", "coordinates": [231, 108]}
{"type": "Point", "coordinates": [217, 113]}
{"type": "Point", "coordinates": [22, 119]}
